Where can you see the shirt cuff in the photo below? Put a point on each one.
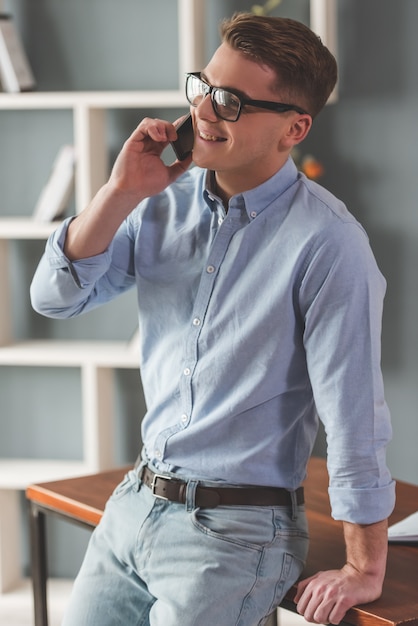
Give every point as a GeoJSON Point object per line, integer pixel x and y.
{"type": "Point", "coordinates": [362, 506]}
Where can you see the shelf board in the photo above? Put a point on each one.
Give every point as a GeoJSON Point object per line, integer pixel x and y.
{"type": "Point", "coordinates": [93, 99]}
{"type": "Point", "coordinates": [19, 473]}
{"type": "Point", "coordinates": [25, 228]}
{"type": "Point", "coordinates": [111, 354]}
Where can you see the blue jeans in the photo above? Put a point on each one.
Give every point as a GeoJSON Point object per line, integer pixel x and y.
{"type": "Point", "coordinates": [151, 562]}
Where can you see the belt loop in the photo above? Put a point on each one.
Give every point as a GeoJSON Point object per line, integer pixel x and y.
{"type": "Point", "coordinates": [191, 495]}
{"type": "Point", "coordinates": [294, 499]}
{"type": "Point", "coordinates": [139, 469]}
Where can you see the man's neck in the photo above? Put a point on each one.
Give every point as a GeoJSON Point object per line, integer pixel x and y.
{"type": "Point", "coordinates": [230, 183]}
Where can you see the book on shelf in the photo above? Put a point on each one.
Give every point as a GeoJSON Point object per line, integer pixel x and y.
{"type": "Point", "coordinates": [56, 194]}
{"type": "Point", "coordinates": [404, 531]}
{"type": "Point", "coordinates": [15, 71]}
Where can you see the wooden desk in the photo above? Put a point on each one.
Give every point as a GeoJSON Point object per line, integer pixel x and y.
{"type": "Point", "coordinates": [82, 500]}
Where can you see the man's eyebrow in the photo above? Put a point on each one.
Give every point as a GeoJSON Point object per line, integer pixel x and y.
{"type": "Point", "coordinates": [233, 90]}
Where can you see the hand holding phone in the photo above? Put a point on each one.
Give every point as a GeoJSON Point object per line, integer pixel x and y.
{"type": "Point", "coordinates": [183, 145]}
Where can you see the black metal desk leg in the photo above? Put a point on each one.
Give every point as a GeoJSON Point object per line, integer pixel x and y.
{"type": "Point", "coordinates": [39, 564]}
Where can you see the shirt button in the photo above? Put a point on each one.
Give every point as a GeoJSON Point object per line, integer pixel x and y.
{"type": "Point", "coordinates": [210, 269]}
{"type": "Point", "coordinates": [158, 454]}
{"type": "Point", "coordinates": [253, 213]}
{"type": "Point", "coordinates": [196, 321]}
{"type": "Point", "coordinates": [220, 220]}
{"type": "Point", "coordinates": [186, 371]}
{"type": "Point", "coordinates": [184, 418]}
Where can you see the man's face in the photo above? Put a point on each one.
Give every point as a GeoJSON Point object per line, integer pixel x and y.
{"type": "Point", "coordinates": [247, 152]}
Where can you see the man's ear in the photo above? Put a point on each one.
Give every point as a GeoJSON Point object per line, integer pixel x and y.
{"type": "Point", "coordinates": [298, 129]}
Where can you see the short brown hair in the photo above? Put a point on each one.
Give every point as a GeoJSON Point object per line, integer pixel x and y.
{"type": "Point", "coordinates": [306, 70]}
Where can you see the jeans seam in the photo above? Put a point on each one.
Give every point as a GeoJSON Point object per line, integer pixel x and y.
{"type": "Point", "coordinates": [254, 585]}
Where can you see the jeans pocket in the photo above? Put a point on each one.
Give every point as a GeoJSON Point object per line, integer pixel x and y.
{"type": "Point", "coordinates": [130, 479]}
{"type": "Point", "coordinates": [291, 568]}
{"type": "Point", "coordinates": [250, 527]}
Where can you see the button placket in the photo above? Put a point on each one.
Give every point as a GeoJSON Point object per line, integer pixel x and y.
{"type": "Point", "coordinates": [208, 277]}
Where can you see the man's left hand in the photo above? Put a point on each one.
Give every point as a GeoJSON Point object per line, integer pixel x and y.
{"type": "Point", "coordinates": [326, 597]}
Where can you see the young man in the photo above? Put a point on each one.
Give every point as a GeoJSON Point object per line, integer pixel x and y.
{"type": "Point", "coordinates": [260, 310]}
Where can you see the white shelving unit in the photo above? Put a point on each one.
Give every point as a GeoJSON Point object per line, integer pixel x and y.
{"type": "Point", "coordinates": [95, 360]}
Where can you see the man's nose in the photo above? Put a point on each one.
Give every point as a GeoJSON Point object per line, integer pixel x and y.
{"type": "Point", "coordinates": [205, 109]}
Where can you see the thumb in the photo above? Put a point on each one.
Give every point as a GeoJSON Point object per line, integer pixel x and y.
{"type": "Point", "coordinates": [179, 167]}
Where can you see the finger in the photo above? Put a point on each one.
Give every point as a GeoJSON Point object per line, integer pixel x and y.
{"type": "Point", "coordinates": [158, 130]}
{"type": "Point", "coordinates": [179, 167]}
{"type": "Point", "coordinates": [316, 612]}
{"type": "Point", "coordinates": [312, 603]}
{"type": "Point", "coordinates": [337, 612]}
{"type": "Point", "coordinates": [165, 130]}
{"type": "Point", "coordinates": [179, 120]}
{"type": "Point", "coordinates": [302, 602]}
{"type": "Point", "coordinates": [322, 608]}
{"type": "Point", "coordinates": [300, 588]}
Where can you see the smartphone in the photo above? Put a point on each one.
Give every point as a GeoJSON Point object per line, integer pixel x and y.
{"type": "Point", "coordinates": [183, 145]}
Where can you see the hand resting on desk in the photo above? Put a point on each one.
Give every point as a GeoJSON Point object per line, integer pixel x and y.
{"type": "Point", "coordinates": [326, 596]}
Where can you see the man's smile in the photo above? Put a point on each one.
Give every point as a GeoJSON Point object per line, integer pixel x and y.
{"type": "Point", "coordinates": [210, 137]}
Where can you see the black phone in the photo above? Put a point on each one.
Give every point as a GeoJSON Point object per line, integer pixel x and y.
{"type": "Point", "coordinates": [183, 145]}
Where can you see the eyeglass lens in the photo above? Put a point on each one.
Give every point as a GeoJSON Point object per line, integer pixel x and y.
{"type": "Point", "coordinates": [226, 104]}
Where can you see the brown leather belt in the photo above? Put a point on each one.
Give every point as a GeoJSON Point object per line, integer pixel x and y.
{"type": "Point", "coordinates": [174, 489]}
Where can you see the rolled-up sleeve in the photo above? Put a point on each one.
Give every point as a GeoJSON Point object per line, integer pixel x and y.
{"type": "Point", "coordinates": [343, 295]}
{"type": "Point", "coordinates": [62, 288]}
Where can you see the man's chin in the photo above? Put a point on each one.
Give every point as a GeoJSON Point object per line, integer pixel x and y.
{"type": "Point", "coordinates": [206, 161]}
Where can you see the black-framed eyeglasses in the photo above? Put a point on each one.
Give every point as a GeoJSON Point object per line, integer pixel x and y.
{"type": "Point", "coordinates": [226, 104]}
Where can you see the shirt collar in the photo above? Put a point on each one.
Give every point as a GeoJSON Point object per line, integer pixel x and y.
{"type": "Point", "coordinates": [258, 199]}
{"type": "Point", "coordinates": [254, 201]}
{"type": "Point", "coordinates": [209, 192]}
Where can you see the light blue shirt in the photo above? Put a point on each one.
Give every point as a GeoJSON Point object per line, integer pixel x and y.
{"type": "Point", "coordinates": [253, 323]}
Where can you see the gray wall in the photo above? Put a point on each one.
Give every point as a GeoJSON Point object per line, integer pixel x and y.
{"type": "Point", "coordinates": [368, 143]}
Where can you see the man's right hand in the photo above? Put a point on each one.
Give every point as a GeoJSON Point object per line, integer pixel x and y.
{"type": "Point", "coordinates": [138, 173]}
{"type": "Point", "coordinates": [139, 170]}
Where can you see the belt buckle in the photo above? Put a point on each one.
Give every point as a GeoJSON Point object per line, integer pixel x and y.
{"type": "Point", "coordinates": [153, 485]}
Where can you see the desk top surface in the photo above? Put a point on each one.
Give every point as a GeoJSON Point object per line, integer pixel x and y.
{"type": "Point", "coordinates": [84, 498]}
